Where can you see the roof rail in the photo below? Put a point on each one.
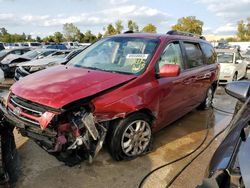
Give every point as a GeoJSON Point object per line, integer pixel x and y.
{"type": "Point", "coordinates": [175, 32]}
{"type": "Point", "coordinates": [129, 31]}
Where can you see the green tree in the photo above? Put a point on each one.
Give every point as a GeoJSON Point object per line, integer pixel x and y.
{"type": "Point", "coordinates": [29, 38]}
{"type": "Point", "coordinates": [89, 37]}
{"type": "Point", "coordinates": [189, 24]}
{"type": "Point", "coordinates": [71, 32]}
{"type": "Point", "coordinates": [150, 28]}
{"type": "Point", "coordinates": [38, 39]}
{"type": "Point", "coordinates": [118, 26]}
{"type": "Point", "coordinates": [48, 39]}
{"type": "Point", "coordinates": [132, 26]}
{"type": "Point", "coordinates": [243, 30]}
{"type": "Point", "coordinates": [58, 37]}
{"type": "Point", "coordinates": [3, 31]}
{"type": "Point", "coordinates": [232, 39]}
{"type": "Point", "coordinates": [99, 36]}
{"type": "Point", "coordinates": [110, 30]}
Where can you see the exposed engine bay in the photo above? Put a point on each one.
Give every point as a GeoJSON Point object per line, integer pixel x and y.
{"type": "Point", "coordinates": [77, 137]}
{"type": "Point", "coordinates": [72, 135]}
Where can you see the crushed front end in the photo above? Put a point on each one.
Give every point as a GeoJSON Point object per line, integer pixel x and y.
{"type": "Point", "coordinates": [71, 135]}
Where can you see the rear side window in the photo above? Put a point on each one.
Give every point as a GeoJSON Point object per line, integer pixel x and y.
{"type": "Point", "coordinates": [17, 52]}
{"type": "Point", "coordinates": [172, 55]}
{"type": "Point", "coordinates": [209, 53]}
{"type": "Point", "coordinates": [194, 54]}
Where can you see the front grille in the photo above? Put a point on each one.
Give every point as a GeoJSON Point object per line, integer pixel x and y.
{"type": "Point", "coordinates": [25, 110]}
{"type": "Point", "coordinates": [20, 72]}
{"type": "Point", "coordinates": [27, 68]}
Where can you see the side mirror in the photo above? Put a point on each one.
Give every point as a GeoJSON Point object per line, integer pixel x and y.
{"type": "Point", "coordinates": [238, 89]}
{"type": "Point", "coordinates": [169, 70]}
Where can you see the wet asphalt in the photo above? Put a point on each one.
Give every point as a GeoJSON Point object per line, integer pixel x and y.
{"type": "Point", "coordinates": [41, 170]}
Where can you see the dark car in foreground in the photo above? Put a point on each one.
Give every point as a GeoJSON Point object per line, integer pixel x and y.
{"type": "Point", "coordinates": [9, 163]}
{"type": "Point", "coordinates": [30, 67]}
{"type": "Point", "coordinates": [229, 166]}
{"type": "Point", "coordinates": [9, 63]}
{"type": "Point", "coordinates": [119, 91]}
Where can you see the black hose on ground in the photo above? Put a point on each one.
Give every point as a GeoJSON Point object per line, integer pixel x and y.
{"type": "Point", "coordinates": [181, 158]}
{"type": "Point", "coordinates": [231, 125]}
{"type": "Point", "coordinates": [196, 149]}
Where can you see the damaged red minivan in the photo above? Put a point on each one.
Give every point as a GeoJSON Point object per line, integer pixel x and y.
{"type": "Point", "coordinates": [118, 91]}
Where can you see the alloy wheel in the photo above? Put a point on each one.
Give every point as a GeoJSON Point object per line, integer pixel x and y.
{"type": "Point", "coordinates": [209, 98]}
{"type": "Point", "coordinates": [136, 138]}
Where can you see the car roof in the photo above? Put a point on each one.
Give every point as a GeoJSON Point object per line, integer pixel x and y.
{"type": "Point", "coordinates": [160, 36]}
{"type": "Point", "coordinates": [227, 50]}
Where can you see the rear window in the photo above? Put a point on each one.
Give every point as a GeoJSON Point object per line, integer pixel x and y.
{"type": "Point", "coordinates": [225, 57]}
{"type": "Point", "coordinates": [35, 44]}
{"type": "Point", "coordinates": [209, 53]}
{"type": "Point", "coordinates": [194, 54]}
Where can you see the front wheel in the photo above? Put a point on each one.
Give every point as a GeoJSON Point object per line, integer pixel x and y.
{"type": "Point", "coordinates": [234, 77]}
{"type": "Point", "coordinates": [131, 137]}
{"type": "Point", "coordinates": [245, 76]}
{"type": "Point", "coordinates": [207, 103]}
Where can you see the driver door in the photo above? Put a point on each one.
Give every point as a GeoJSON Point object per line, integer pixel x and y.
{"type": "Point", "coordinates": [174, 92]}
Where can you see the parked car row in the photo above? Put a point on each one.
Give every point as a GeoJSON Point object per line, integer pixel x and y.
{"type": "Point", "coordinates": [35, 45]}
{"type": "Point", "coordinates": [58, 58]}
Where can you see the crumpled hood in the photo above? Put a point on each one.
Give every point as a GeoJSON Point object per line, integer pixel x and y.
{"type": "Point", "coordinates": [9, 58]}
{"type": "Point", "coordinates": [43, 61]}
{"type": "Point", "coordinates": [61, 85]}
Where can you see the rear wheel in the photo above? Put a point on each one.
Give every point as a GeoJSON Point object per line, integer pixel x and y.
{"type": "Point", "coordinates": [131, 137]}
{"type": "Point", "coordinates": [235, 77]}
{"type": "Point", "coordinates": [245, 76]}
{"type": "Point", "coordinates": [207, 103]}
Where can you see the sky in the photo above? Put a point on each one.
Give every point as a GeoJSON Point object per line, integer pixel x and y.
{"type": "Point", "coordinates": [44, 17]}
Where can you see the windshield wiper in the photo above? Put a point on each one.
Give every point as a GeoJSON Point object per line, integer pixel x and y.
{"type": "Point", "coordinates": [112, 71]}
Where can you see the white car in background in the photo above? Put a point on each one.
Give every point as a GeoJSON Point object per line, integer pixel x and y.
{"type": "Point", "coordinates": [232, 65]}
{"type": "Point", "coordinates": [1, 76]}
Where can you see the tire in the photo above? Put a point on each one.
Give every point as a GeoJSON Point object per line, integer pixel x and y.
{"type": "Point", "coordinates": [235, 77]}
{"type": "Point", "coordinates": [245, 76]}
{"type": "Point", "coordinates": [207, 103]}
{"type": "Point", "coordinates": [130, 137]}
{"type": "Point", "coordinates": [10, 156]}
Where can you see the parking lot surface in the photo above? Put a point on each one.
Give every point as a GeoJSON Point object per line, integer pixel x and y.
{"type": "Point", "coordinates": [40, 170]}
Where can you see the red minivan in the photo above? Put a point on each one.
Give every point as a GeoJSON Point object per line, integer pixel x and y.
{"type": "Point", "coordinates": [118, 91]}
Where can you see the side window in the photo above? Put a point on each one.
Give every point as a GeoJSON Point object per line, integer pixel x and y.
{"type": "Point", "coordinates": [209, 53]}
{"type": "Point", "coordinates": [237, 56]}
{"type": "Point", "coordinates": [17, 52]}
{"type": "Point", "coordinates": [194, 54]}
{"type": "Point", "coordinates": [171, 55]}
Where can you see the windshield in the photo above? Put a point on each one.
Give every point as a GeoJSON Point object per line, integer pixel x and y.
{"type": "Point", "coordinates": [225, 57]}
{"type": "Point", "coordinates": [117, 54]}
{"type": "Point", "coordinates": [60, 54]}
{"type": "Point", "coordinates": [3, 52]}
{"type": "Point", "coordinates": [31, 54]}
